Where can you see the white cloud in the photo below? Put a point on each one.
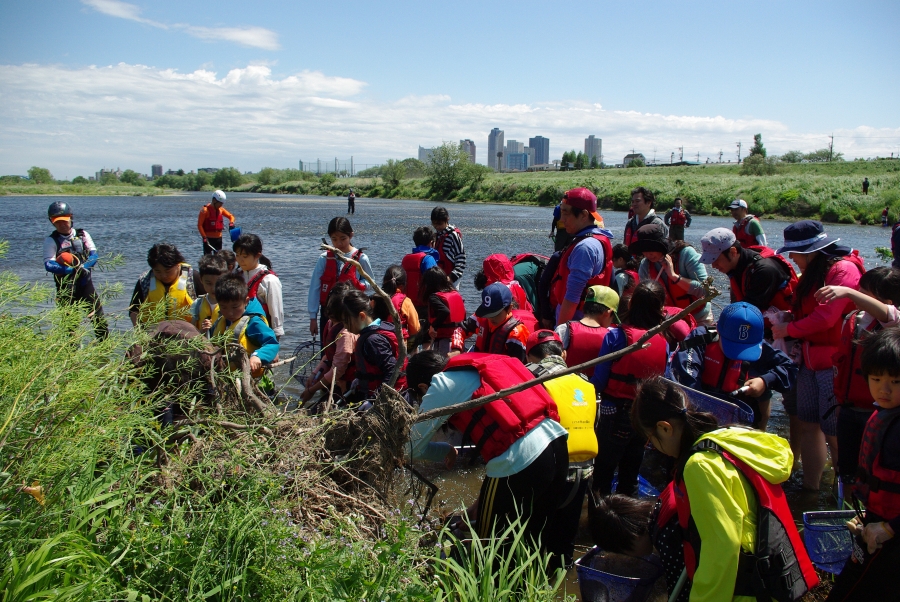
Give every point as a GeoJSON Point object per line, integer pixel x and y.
{"type": "Point", "coordinates": [75, 120]}
{"type": "Point", "coordinates": [251, 36]}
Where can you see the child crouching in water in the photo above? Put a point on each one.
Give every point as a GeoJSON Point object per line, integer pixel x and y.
{"type": "Point", "coordinates": [244, 323]}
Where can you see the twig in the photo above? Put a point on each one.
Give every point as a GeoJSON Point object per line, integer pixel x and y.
{"type": "Point", "coordinates": [224, 424]}
{"type": "Point", "coordinates": [711, 293]}
{"type": "Point", "coordinates": [247, 385]}
{"type": "Point", "coordinates": [330, 400]}
{"type": "Point", "coordinates": [398, 329]}
{"type": "Point", "coordinates": [355, 500]}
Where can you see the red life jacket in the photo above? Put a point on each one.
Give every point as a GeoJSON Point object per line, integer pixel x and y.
{"type": "Point", "coordinates": [214, 221]}
{"type": "Point", "coordinates": [332, 331]}
{"type": "Point", "coordinates": [783, 299]}
{"type": "Point", "coordinates": [786, 570]}
{"type": "Point", "coordinates": [527, 318]}
{"type": "Point", "coordinates": [584, 344]}
{"type": "Point", "coordinates": [494, 341]}
{"type": "Point", "coordinates": [253, 289]}
{"type": "Point", "coordinates": [412, 265]}
{"type": "Point", "coordinates": [876, 486]}
{"type": "Point", "coordinates": [454, 302]}
{"type": "Point", "coordinates": [675, 297]}
{"type": "Point", "coordinates": [558, 284]}
{"type": "Point", "coordinates": [397, 300]}
{"type": "Point", "coordinates": [443, 261]}
{"type": "Point", "coordinates": [720, 374]}
{"type": "Point", "coordinates": [831, 336]}
{"type": "Point", "coordinates": [371, 376]}
{"type": "Point", "coordinates": [850, 386]}
{"type": "Point", "coordinates": [495, 426]}
{"type": "Point", "coordinates": [630, 231]}
{"type": "Point", "coordinates": [677, 217]}
{"type": "Point", "coordinates": [330, 276]}
{"type": "Point", "coordinates": [740, 232]}
{"type": "Point", "coordinates": [625, 372]}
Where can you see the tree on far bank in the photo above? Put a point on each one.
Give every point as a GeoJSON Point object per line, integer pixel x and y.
{"type": "Point", "coordinates": [392, 172]}
{"type": "Point", "coordinates": [793, 156]}
{"type": "Point", "coordinates": [132, 177]}
{"type": "Point", "coordinates": [579, 160]}
{"type": "Point", "coordinates": [758, 148]}
{"type": "Point", "coordinates": [448, 169]}
{"type": "Point", "coordinates": [227, 177]}
{"type": "Point", "coordinates": [108, 178]}
{"type": "Point", "coordinates": [594, 164]}
{"type": "Point", "coordinates": [823, 154]}
{"type": "Point", "coordinates": [637, 162]}
{"type": "Point", "coordinates": [758, 165]}
{"type": "Point", "coordinates": [40, 175]}
{"type": "Point", "coordinates": [80, 180]}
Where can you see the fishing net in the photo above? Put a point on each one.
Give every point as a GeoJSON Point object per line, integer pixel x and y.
{"type": "Point", "coordinates": [305, 359]}
{"type": "Point", "coordinates": [828, 541]}
{"type": "Point", "coordinates": [726, 412]}
{"type": "Point", "coordinates": [606, 577]}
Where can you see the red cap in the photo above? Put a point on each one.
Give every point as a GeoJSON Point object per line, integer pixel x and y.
{"type": "Point", "coordinates": [582, 198]}
{"type": "Point", "coordinates": [533, 339]}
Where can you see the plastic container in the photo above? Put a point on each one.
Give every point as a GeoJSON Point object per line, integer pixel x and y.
{"type": "Point", "coordinates": [645, 489]}
{"type": "Point", "coordinates": [828, 541]}
{"type": "Point", "coordinates": [604, 577]}
{"type": "Point", "coordinates": [235, 233]}
{"type": "Point", "coordinates": [733, 411]}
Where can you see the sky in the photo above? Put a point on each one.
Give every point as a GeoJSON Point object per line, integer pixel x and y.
{"type": "Point", "coordinates": [86, 84]}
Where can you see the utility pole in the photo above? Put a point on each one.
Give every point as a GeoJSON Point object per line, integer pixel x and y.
{"type": "Point", "coordinates": [672, 158]}
{"type": "Point", "coordinates": [698, 156]}
{"type": "Point", "coordinates": [681, 154]}
{"type": "Point", "coordinates": [739, 152]}
{"type": "Point", "coordinates": [720, 155]}
{"type": "Point", "coordinates": [831, 149]}
{"type": "Point", "coordinates": [351, 166]}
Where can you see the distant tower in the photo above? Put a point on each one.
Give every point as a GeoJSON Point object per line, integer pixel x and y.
{"type": "Point", "coordinates": [541, 148]}
{"type": "Point", "coordinates": [513, 147]}
{"type": "Point", "coordinates": [495, 145]}
{"type": "Point", "coordinates": [593, 147]}
{"type": "Point", "coordinates": [468, 146]}
{"type": "Point", "coordinates": [156, 171]}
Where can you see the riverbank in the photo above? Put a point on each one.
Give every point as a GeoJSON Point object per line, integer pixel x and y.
{"type": "Point", "coordinates": [83, 190]}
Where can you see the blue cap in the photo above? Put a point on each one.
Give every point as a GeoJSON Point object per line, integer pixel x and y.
{"type": "Point", "coordinates": [494, 298]}
{"type": "Point", "coordinates": [741, 331]}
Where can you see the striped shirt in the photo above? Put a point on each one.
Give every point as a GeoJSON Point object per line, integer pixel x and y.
{"type": "Point", "coordinates": [454, 250]}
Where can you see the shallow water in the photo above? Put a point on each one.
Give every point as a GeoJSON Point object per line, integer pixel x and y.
{"type": "Point", "coordinates": [291, 228]}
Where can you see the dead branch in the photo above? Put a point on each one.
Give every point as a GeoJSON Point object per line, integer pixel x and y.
{"type": "Point", "coordinates": [355, 501]}
{"type": "Point", "coordinates": [248, 394]}
{"type": "Point", "coordinates": [398, 329]}
{"type": "Point", "coordinates": [711, 293]}
{"type": "Point", "coordinates": [233, 426]}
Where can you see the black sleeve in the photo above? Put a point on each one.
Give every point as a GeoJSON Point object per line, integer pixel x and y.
{"type": "Point", "coordinates": [137, 297]}
{"type": "Point", "coordinates": [765, 280]}
{"type": "Point", "coordinates": [438, 312]}
{"type": "Point", "coordinates": [514, 349]}
{"type": "Point", "coordinates": [378, 352]}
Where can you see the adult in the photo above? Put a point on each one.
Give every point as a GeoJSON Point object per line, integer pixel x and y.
{"type": "Point", "coordinates": [642, 201]}
{"type": "Point", "coordinates": [351, 203]}
{"type": "Point", "coordinates": [676, 266]}
{"type": "Point", "coordinates": [677, 219]}
{"type": "Point", "coordinates": [884, 218]}
{"type": "Point", "coordinates": [866, 186]}
{"type": "Point", "coordinates": [520, 437]}
{"type": "Point", "coordinates": [558, 233]}
{"type": "Point", "coordinates": [586, 260]}
{"type": "Point", "coordinates": [211, 222]}
{"type": "Point", "coordinates": [757, 275]}
{"type": "Point", "coordinates": [817, 325]}
{"type": "Point", "coordinates": [69, 255]}
{"type": "Point", "coordinates": [449, 245]}
{"type": "Point", "coordinates": [746, 228]}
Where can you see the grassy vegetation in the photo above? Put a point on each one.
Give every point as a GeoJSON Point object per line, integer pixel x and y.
{"type": "Point", "coordinates": [828, 191]}
{"type": "Point", "coordinates": [120, 189]}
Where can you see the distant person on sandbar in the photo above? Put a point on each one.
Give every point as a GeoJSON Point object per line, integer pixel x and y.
{"type": "Point", "coordinates": [677, 219]}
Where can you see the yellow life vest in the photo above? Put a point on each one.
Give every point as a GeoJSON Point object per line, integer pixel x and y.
{"type": "Point", "coordinates": [202, 309]}
{"type": "Point", "coordinates": [238, 330]}
{"type": "Point", "coordinates": [576, 402]}
{"type": "Point", "coordinates": [177, 296]}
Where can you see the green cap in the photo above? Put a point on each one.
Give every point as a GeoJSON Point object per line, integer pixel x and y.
{"type": "Point", "coordinates": [604, 296]}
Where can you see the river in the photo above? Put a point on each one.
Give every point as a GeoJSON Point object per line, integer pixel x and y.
{"type": "Point", "coordinates": [291, 228]}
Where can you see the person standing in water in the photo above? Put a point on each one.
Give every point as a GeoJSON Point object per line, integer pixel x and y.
{"type": "Point", "coordinates": [351, 203]}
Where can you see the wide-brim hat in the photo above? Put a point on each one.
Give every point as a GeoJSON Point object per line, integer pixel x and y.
{"type": "Point", "coordinates": [806, 236]}
{"type": "Point", "coordinates": [651, 237]}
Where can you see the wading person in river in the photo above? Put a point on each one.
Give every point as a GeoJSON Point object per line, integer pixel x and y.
{"type": "Point", "coordinates": [677, 219]}
{"type": "Point", "coordinates": [69, 255]}
{"type": "Point", "coordinates": [520, 437]}
{"type": "Point", "coordinates": [747, 228]}
{"type": "Point", "coordinates": [211, 222]}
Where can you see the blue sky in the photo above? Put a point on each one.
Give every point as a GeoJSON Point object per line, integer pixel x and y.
{"type": "Point", "coordinates": [92, 83]}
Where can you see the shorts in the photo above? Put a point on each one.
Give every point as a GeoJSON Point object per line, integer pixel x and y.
{"type": "Point", "coordinates": [815, 397]}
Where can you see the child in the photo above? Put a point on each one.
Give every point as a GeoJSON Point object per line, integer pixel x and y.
{"type": "Point", "coordinates": [205, 308]}
{"type": "Point", "coordinates": [734, 357]}
{"type": "Point", "coordinates": [616, 381]}
{"type": "Point", "coordinates": [330, 270]}
{"type": "Point", "coordinates": [499, 331]}
{"type": "Point", "coordinates": [338, 344]}
{"type": "Point", "coordinates": [169, 281]}
{"type": "Point", "coordinates": [738, 529]}
{"type": "Point", "coordinates": [625, 274]}
{"type": "Point", "coordinates": [229, 257]}
{"type": "Point", "coordinates": [243, 320]}
{"type": "Point", "coordinates": [582, 339]}
{"type": "Point", "coordinates": [422, 258]}
{"type": "Point", "coordinates": [446, 309]}
{"type": "Point", "coordinates": [377, 348]}
{"type": "Point", "coordinates": [262, 282]}
{"type": "Point", "coordinates": [498, 268]}
{"type": "Point", "coordinates": [879, 291]}
{"type": "Point", "coordinates": [870, 572]}
{"type": "Point", "coordinates": [449, 245]}
{"type": "Point", "coordinates": [394, 284]}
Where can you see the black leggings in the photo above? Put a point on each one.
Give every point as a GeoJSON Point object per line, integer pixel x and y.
{"type": "Point", "coordinates": [620, 447]}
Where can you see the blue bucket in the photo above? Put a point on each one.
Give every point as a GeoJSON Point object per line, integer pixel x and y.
{"type": "Point", "coordinates": [645, 489]}
{"type": "Point", "coordinates": [604, 577]}
{"type": "Point", "coordinates": [828, 541]}
{"type": "Point", "coordinates": [733, 411]}
{"type": "Point", "coordinates": [235, 233]}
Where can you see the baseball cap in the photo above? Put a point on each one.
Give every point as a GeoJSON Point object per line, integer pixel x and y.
{"type": "Point", "coordinates": [715, 242]}
{"type": "Point", "coordinates": [605, 296]}
{"type": "Point", "coordinates": [741, 332]}
{"type": "Point", "coordinates": [58, 218]}
{"type": "Point", "coordinates": [738, 204]}
{"type": "Point", "coordinates": [218, 196]}
{"type": "Point", "coordinates": [494, 298]}
{"type": "Point", "coordinates": [582, 198]}
{"type": "Point", "coordinates": [535, 339]}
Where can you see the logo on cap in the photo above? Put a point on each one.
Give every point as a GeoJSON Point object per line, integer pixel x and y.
{"type": "Point", "coordinates": [744, 332]}
{"type": "Point", "coordinates": [487, 301]}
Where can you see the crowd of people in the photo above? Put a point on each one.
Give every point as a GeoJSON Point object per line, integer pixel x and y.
{"type": "Point", "coordinates": [824, 336]}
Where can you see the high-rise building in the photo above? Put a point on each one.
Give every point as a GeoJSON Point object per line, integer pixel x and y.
{"type": "Point", "coordinates": [468, 146]}
{"type": "Point", "coordinates": [425, 154]}
{"type": "Point", "coordinates": [517, 161]}
{"type": "Point", "coordinates": [513, 147]}
{"type": "Point", "coordinates": [541, 148]}
{"type": "Point", "coordinates": [593, 147]}
{"type": "Point", "coordinates": [495, 145]}
{"type": "Point", "coordinates": [531, 155]}
{"type": "Point", "coordinates": [156, 170]}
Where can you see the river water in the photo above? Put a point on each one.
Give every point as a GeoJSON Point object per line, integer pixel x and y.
{"type": "Point", "coordinates": [291, 228]}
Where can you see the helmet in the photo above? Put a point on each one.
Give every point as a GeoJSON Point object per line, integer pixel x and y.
{"type": "Point", "coordinates": [58, 209]}
{"type": "Point", "coordinates": [219, 196]}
